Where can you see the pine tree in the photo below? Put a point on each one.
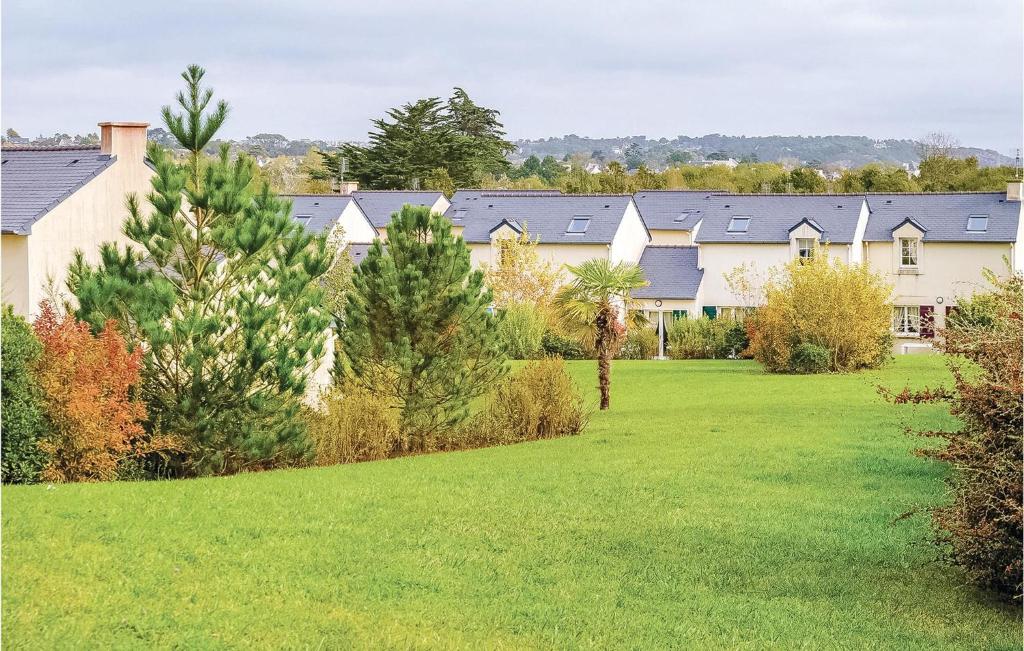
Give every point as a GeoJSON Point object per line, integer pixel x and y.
{"type": "Point", "coordinates": [221, 289]}
{"type": "Point", "coordinates": [412, 143]}
{"type": "Point", "coordinates": [418, 329]}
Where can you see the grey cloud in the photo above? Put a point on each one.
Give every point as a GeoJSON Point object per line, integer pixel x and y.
{"type": "Point", "coordinates": [661, 68]}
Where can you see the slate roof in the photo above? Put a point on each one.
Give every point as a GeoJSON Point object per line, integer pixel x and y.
{"type": "Point", "coordinates": [773, 215]}
{"type": "Point", "coordinates": [943, 216]}
{"type": "Point", "coordinates": [671, 271]}
{"type": "Point", "coordinates": [358, 252]}
{"type": "Point", "coordinates": [324, 210]}
{"type": "Point", "coordinates": [35, 180]}
{"type": "Point", "coordinates": [545, 216]}
{"type": "Point", "coordinates": [379, 205]}
{"type": "Point", "coordinates": [463, 200]}
{"type": "Point", "coordinates": [661, 208]}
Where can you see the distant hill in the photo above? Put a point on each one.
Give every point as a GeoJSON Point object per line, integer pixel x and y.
{"type": "Point", "coordinates": [817, 151]}
{"type": "Point", "coordinates": [838, 151]}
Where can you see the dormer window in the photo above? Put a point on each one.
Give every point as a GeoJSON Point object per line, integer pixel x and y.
{"type": "Point", "coordinates": [579, 224]}
{"type": "Point", "coordinates": [977, 224]}
{"type": "Point", "coordinates": [908, 252]}
{"type": "Point", "coordinates": [739, 224]}
{"type": "Point", "coordinates": [805, 247]}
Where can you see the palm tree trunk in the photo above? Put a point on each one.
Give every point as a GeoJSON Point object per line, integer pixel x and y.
{"type": "Point", "coordinates": [604, 367]}
{"type": "Point", "coordinates": [605, 343]}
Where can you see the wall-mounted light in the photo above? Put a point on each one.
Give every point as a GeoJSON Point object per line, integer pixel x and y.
{"type": "Point", "coordinates": [938, 300]}
{"type": "Point", "coordinates": [657, 303]}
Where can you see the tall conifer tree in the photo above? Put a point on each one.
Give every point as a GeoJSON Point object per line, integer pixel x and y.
{"type": "Point", "coordinates": [221, 289]}
{"type": "Point", "coordinates": [418, 331]}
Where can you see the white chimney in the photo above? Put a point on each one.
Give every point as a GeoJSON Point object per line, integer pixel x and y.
{"type": "Point", "coordinates": [126, 140]}
{"type": "Point", "coordinates": [1013, 190]}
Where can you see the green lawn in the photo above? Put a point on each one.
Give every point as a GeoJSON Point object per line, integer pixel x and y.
{"type": "Point", "coordinates": [713, 506]}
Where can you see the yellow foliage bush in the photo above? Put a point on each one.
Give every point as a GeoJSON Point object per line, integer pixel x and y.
{"type": "Point", "coordinates": [843, 309]}
{"type": "Point", "coordinates": [540, 401]}
{"type": "Point", "coordinates": [353, 425]}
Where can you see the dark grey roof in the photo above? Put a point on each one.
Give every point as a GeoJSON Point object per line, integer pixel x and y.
{"type": "Point", "coordinates": [463, 200]}
{"type": "Point", "coordinates": [33, 181]}
{"type": "Point", "coordinates": [661, 208]}
{"type": "Point", "coordinates": [943, 216]}
{"type": "Point", "coordinates": [773, 215]}
{"type": "Point", "coordinates": [474, 194]}
{"type": "Point", "coordinates": [671, 271]}
{"type": "Point", "coordinates": [544, 216]}
{"type": "Point", "coordinates": [324, 210]}
{"type": "Point", "coordinates": [358, 252]}
{"type": "Point", "coordinates": [379, 205]}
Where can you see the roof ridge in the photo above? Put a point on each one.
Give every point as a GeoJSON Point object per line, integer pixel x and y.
{"type": "Point", "coordinates": [713, 190]}
{"type": "Point", "coordinates": [403, 191]}
{"type": "Point", "coordinates": [315, 194]}
{"type": "Point", "coordinates": [13, 147]}
{"type": "Point", "coordinates": [929, 194]}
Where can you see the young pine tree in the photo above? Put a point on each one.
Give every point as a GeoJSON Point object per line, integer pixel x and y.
{"type": "Point", "coordinates": [222, 291]}
{"type": "Point", "coordinates": [418, 330]}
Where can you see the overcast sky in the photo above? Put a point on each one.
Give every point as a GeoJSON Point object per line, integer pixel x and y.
{"type": "Point", "coordinates": [319, 69]}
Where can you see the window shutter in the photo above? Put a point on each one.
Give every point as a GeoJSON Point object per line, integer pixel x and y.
{"type": "Point", "coordinates": [678, 314]}
{"type": "Point", "coordinates": [927, 322]}
{"type": "Point", "coordinates": [710, 311]}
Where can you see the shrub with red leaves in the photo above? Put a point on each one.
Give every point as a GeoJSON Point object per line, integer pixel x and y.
{"type": "Point", "coordinates": [87, 382]}
{"type": "Point", "coordinates": [980, 527]}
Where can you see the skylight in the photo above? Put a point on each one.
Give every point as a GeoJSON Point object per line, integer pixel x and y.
{"type": "Point", "coordinates": [977, 223]}
{"type": "Point", "coordinates": [681, 217]}
{"type": "Point", "coordinates": [579, 224]}
{"type": "Point", "coordinates": [739, 224]}
{"type": "Point", "coordinates": [459, 214]}
{"type": "Point", "coordinates": [303, 219]}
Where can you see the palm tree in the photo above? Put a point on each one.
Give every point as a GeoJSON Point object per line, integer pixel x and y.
{"type": "Point", "coordinates": [591, 305]}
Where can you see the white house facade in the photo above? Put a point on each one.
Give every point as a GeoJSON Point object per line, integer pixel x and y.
{"type": "Point", "coordinates": [56, 200]}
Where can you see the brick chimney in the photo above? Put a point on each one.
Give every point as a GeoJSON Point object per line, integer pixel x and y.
{"type": "Point", "coordinates": [1013, 190]}
{"type": "Point", "coordinates": [126, 140]}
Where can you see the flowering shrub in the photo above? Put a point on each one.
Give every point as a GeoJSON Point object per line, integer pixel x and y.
{"type": "Point", "coordinates": [86, 383]}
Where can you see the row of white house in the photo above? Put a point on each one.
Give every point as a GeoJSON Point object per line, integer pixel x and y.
{"type": "Point", "coordinates": [932, 247]}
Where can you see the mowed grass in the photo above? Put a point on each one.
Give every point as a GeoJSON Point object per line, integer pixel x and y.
{"type": "Point", "coordinates": [714, 506]}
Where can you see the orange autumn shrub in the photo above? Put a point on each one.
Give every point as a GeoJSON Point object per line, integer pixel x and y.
{"type": "Point", "coordinates": [86, 382]}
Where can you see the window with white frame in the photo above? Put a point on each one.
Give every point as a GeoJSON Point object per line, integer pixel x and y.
{"type": "Point", "coordinates": [977, 223]}
{"type": "Point", "coordinates": [738, 224]}
{"type": "Point", "coordinates": [578, 224]}
{"type": "Point", "coordinates": [733, 313]}
{"type": "Point", "coordinates": [805, 247]}
{"type": "Point", "coordinates": [909, 251]}
{"type": "Point", "coordinates": [907, 320]}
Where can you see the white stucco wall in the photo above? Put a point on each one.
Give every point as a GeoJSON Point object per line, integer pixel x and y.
{"type": "Point", "coordinates": [945, 269]}
{"type": "Point", "coordinates": [630, 238]}
{"type": "Point", "coordinates": [665, 237]}
{"type": "Point", "coordinates": [14, 273]}
{"type": "Point", "coordinates": [558, 254]}
{"type": "Point", "coordinates": [94, 214]}
{"type": "Point", "coordinates": [720, 259]}
{"type": "Point", "coordinates": [356, 227]}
